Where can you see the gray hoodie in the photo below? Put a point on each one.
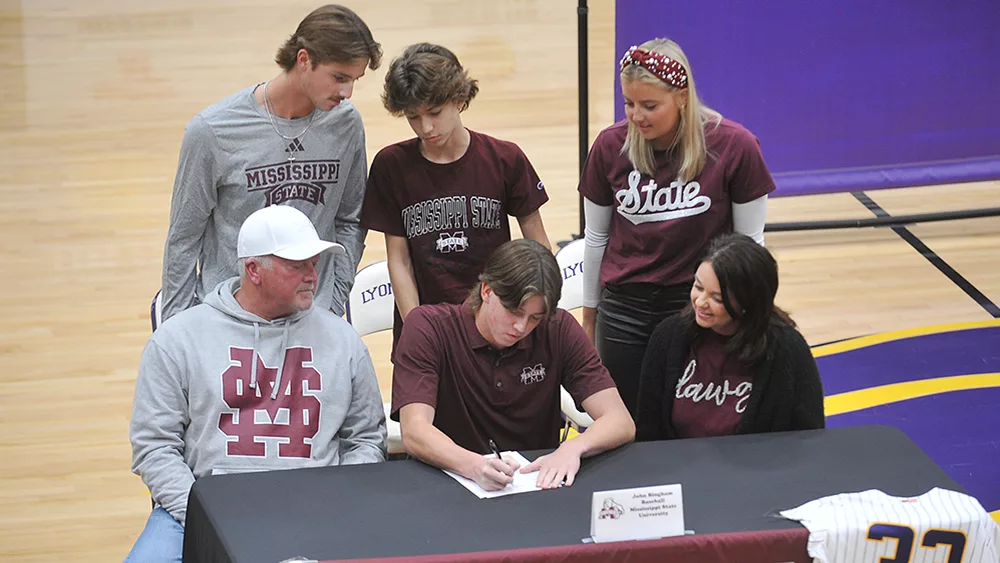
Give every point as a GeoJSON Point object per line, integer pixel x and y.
{"type": "Point", "coordinates": [221, 390]}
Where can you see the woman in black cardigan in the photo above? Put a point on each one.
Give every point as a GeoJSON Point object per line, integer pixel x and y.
{"type": "Point", "coordinates": [731, 362]}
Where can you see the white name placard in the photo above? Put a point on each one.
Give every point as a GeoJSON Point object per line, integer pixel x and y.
{"type": "Point", "coordinates": [643, 513]}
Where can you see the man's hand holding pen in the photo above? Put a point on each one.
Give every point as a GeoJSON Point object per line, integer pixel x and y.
{"type": "Point", "coordinates": [493, 472]}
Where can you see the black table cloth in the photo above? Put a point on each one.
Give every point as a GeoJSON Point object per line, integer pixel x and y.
{"type": "Point", "coordinates": [406, 508]}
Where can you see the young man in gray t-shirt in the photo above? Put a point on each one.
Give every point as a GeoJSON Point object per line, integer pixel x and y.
{"type": "Point", "coordinates": [293, 140]}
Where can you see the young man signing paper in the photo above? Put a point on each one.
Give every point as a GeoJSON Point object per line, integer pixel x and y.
{"type": "Point", "coordinates": [490, 369]}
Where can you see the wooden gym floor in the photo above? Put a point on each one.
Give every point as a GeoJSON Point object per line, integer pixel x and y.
{"type": "Point", "coordinates": [94, 97]}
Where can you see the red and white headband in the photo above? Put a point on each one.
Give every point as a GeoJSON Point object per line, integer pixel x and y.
{"type": "Point", "coordinates": [661, 66]}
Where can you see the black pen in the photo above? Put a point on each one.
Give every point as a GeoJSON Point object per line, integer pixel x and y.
{"type": "Point", "coordinates": [493, 448]}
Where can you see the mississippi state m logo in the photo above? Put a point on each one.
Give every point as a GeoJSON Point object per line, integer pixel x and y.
{"type": "Point", "coordinates": [452, 242]}
{"type": "Point", "coordinates": [289, 422]}
{"type": "Point", "coordinates": [532, 374]}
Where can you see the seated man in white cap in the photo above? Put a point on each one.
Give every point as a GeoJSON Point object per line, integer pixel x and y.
{"type": "Point", "coordinates": [255, 378]}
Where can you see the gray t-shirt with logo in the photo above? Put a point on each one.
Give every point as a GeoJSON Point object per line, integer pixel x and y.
{"type": "Point", "coordinates": [232, 163]}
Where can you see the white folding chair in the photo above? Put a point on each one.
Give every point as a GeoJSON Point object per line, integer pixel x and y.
{"type": "Point", "coordinates": [370, 309]}
{"type": "Point", "coordinates": [574, 417]}
{"type": "Point", "coordinates": [156, 310]}
{"type": "Point", "coordinates": [370, 305]}
{"type": "Point", "coordinates": [570, 260]}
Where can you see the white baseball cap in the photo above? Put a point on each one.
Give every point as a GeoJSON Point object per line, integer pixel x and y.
{"type": "Point", "coordinates": [281, 231]}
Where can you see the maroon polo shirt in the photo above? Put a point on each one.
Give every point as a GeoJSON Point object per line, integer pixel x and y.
{"type": "Point", "coordinates": [660, 229]}
{"type": "Point", "coordinates": [713, 390]}
{"type": "Point", "coordinates": [453, 215]}
{"type": "Point", "coordinates": [479, 392]}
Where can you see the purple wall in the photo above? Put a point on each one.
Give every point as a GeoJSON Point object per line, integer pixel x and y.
{"type": "Point", "coordinates": [844, 94]}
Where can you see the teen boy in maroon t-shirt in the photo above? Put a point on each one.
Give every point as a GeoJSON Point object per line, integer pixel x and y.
{"type": "Point", "coordinates": [491, 368]}
{"type": "Point", "coordinates": [443, 199]}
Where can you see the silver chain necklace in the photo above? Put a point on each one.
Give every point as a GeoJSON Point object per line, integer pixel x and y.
{"type": "Point", "coordinates": [269, 107]}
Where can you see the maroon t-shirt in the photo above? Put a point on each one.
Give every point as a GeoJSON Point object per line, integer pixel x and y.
{"type": "Point", "coordinates": [660, 229]}
{"type": "Point", "coordinates": [479, 392]}
{"type": "Point", "coordinates": [713, 391]}
{"type": "Point", "coordinates": [453, 215]}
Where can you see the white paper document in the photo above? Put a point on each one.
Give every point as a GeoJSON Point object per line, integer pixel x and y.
{"type": "Point", "coordinates": [523, 482]}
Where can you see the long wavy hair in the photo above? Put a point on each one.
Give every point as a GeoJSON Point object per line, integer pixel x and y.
{"type": "Point", "coordinates": [689, 142]}
{"type": "Point", "coordinates": [748, 280]}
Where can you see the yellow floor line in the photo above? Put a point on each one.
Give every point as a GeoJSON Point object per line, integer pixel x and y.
{"type": "Point", "coordinates": [885, 394]}
{"type": "Point", "coordinates": [863, 341]}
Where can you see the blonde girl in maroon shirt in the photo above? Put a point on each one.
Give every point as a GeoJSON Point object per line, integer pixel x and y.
{"type": "Point", "coordinates": [657, 187]}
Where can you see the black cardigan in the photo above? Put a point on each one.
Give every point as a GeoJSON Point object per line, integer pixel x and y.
{"type": "Point", "coordinates": [787, 393]}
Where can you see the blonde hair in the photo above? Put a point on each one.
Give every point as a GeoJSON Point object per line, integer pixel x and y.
{"type": "Point", "coordinates": [689, 140]}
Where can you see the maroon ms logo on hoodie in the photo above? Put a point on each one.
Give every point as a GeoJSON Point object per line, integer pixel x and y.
{"type": "Point", "coordinates": [293, 415]}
